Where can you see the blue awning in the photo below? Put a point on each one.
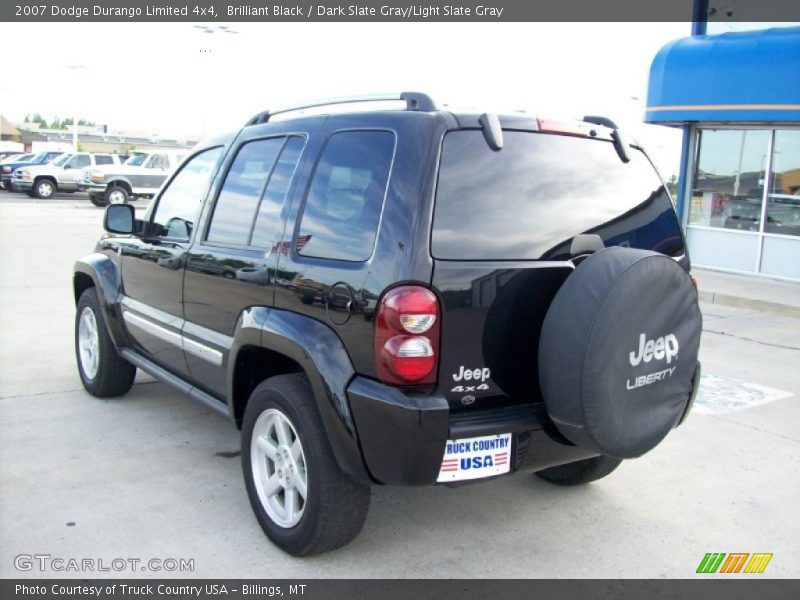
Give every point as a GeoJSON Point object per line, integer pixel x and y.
{"type": "Point", "coordinates": [751, 76]}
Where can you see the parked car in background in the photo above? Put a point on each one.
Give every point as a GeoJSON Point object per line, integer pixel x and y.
{"type": "Point", "coordinates": [42, 181]}
{"type": "Point", "coordinates": [6, 154]}
{"type": "Point", "coordinates": [140, 177]}
{"type": "Point", "coordinates": [8, 167]}
{"type": "Point", "coordinates": [13, 157]}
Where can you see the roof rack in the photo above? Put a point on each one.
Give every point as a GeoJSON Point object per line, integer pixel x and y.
{"type": "Point", "coordinates": [414, 101]}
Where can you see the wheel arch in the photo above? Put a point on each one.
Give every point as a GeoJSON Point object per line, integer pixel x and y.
{"type": "Point", "coordinates": [100, 272]}
{"type": "Point", "coordinates": [282, 342]}
{"type": "Point", "coordinates": [48, 177]}
{"type": "Point", "coordinates": [121, 182]}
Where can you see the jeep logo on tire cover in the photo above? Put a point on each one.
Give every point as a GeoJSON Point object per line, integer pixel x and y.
{"type": "Point", "coordinates": [665, 347]}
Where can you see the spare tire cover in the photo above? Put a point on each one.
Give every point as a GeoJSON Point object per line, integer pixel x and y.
{"type": "Point", "coordinates": [618, 351]}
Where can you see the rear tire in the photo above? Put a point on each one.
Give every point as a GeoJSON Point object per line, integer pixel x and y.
{"type": "Point", "coordinates": [103, 372]}
{"type": "Point", "coordinates": [580, 472]}
{"type": "Point", "coordinates": [279, 468]}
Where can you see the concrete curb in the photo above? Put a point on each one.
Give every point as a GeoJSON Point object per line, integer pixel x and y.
{"type": "Point", "coordinates": [786, 310]}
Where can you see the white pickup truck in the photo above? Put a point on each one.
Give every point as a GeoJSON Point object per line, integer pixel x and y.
{"type": "Point", "coordinates": [140, 177]}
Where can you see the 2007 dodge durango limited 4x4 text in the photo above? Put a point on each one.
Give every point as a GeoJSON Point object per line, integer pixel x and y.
{"type": "Point", "coordinates": [402, 297]}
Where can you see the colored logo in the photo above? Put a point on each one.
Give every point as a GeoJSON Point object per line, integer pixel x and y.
{"type": "Point", "coordinates": [735, 562]}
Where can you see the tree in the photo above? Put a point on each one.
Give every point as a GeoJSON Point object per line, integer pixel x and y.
{"type": "Point", "coordinates": [37, 118]}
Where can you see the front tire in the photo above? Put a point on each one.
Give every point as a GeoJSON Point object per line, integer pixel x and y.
{"type": "Point", "coordinates": [102, 371]}
{"type": "Point", "coordinates": [302, 500]}
{"type": "Point", "coordinates": [580, 472]}
{"type": "Point", "coordinates": [116, 195]}
{"type": "Point", "coordinates": [44, 189]}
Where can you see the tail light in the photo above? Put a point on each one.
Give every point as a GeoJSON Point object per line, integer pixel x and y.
{"type": "Point", "coordinates": [407, 336]}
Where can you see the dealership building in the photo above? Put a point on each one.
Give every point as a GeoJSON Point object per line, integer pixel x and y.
{"type": "Point", "coordinates": [736, 95]}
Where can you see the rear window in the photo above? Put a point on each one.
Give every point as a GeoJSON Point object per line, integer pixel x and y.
{"type": "Point", "coordinates": [528, 200]}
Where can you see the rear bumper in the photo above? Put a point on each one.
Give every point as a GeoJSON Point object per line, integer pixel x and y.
{"type": "Point", "coordinates": [402, 435]}
{"type": "Point", "coordinates": [695, 388]}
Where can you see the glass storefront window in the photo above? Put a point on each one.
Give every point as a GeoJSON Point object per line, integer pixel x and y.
{"type": "Point", "coordinates": [729, 174]}
{"type": "Point", "coordinates": [783, 209]}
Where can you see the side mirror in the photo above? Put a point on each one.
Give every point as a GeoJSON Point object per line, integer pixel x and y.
{"type": "Point", "coordinates": [119, 218]}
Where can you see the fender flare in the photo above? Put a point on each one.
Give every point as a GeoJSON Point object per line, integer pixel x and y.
{"type": "Point", "coordinates": [105, 276]}
{"type": "Point", "coordinates": [120, 182]}
{"type": "Point", "coordinates": [321, 354]}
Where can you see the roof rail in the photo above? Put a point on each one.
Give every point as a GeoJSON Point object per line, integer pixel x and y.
{"type": "Point", "coordinates": [414, 101]}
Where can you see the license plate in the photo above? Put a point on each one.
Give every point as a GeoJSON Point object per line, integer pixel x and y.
{"type": "Point", "coordinates": [473, 458]}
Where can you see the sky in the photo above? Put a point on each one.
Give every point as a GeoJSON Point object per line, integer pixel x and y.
{"type": "Point", "coordinates": [178, 81]}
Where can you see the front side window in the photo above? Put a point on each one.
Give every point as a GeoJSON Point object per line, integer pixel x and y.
{"type": "Point", "coordinates": [344, 203]}
{"type": "Point", "coordinates": [103, 159]}
{"type": "Point", "coordinates": [179, 204]}
{"type": "Point", "coordinates": [159, 161]}
{"type": "Point", "coordinates": [79, 161]}
{"type": "Point", "coordinates": [783, 208]}
{"type": "Point", "coordinates": [729, 174]}
{"type": "Point", "coordinates": [62, 160]}
{"type": "Point", "coordinates": [136, 160]}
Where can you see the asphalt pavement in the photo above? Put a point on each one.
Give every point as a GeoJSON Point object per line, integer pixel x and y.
{"type": "Point", "coordinates": [153, 475]}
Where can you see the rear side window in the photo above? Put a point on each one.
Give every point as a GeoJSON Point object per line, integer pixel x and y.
{"type": "Point", "coordinates": [238, 200]}
{"type": "Point", "coordinates": [269, 211]}
{"type": "Point", "coordinates": [343, 207]}
{"type": "Point", "coordinates": [528, 200]}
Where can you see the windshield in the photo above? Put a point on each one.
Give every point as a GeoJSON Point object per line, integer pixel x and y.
{"type": "Point", "coordinates": [61, 160]}
{"type": "Point", "coordinates": [136, 159]}
{"type": "Point", "coordinates": [40, 157]}
{"type": "Point", "coordinates": [528, 200]}
{"type": "Point", "coordinates": [12, 158]}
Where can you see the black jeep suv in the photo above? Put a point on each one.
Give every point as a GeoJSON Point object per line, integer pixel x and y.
{"type": "Point", "coordinates": [406, 297]}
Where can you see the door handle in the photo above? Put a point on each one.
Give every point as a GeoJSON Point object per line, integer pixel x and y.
{"type": "Point", "coordinates": [170, 262]}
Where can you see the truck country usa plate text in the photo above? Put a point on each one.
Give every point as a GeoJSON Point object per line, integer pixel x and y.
{"type": "Point", "coordinates": [472, 458]}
